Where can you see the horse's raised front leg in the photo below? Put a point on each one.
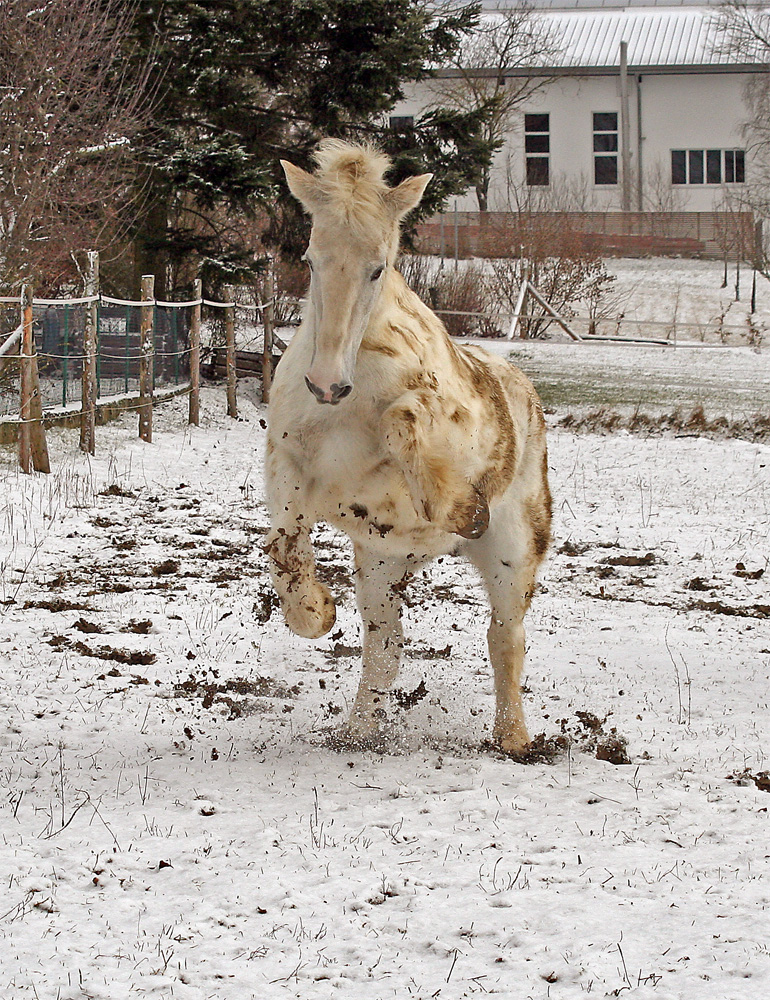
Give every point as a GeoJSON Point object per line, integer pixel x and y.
{"type": "Point", "coordinates": [439, 489]}
{"type": "Point", "coordinates": [508, 561]}
{"type": "Point", "coordinates": [380, 583]}
{"type": "Point", "coordinates": [307, 605]}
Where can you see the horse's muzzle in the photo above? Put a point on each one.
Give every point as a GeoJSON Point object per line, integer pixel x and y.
{"type": "Point", "coordinates": [333, 395]}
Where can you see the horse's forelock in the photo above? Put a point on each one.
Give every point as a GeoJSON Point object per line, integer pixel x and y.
{"type": "Point", "coordinates": [350, 177]}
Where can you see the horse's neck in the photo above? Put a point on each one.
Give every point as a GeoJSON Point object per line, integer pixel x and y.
{"type": "Point", "coordinates": [401, 308]}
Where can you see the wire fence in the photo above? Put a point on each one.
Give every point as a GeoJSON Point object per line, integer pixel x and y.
{"type": "Point", "coordinates": [58, 328]}
{"type": "Point", "coordinates": [98, 354]}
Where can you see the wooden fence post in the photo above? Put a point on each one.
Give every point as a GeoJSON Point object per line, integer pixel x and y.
{"type": "Point", "coordinates": [268, 326]}
{"type": "Point", "coordinates": [33, 451]}
{"type": "Point", "coordinates": [232, 404]}
{"type": "Point", "coordinates": [457, 239]}
{"type": "Point", "coordinates": [147, 348]}
{"type": "Point", "coordinates": [520, 302]}
{"type": "Point", "coordinates": [552, 312]}
{"type": "Point", "coordinates": [25, 381]}
{"type": "Point", "coordinates": [195, 354]}
{"type": "Point", "coordinates": [88, 380]}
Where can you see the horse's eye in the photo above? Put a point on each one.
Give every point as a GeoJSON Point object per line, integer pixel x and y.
{"type": "Point", "coordinates": [377, 273]}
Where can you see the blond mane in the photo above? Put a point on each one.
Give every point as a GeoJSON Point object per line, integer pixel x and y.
{"type": "Point", "coordinates": [350, 182]}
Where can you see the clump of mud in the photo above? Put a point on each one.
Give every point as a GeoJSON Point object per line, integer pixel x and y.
{"type": "Point", "coordinates": [746, 777]}
{"type": "Point", "coordinates": [586, 733]}
{"type": "Point", "coordinates": [241, 695]}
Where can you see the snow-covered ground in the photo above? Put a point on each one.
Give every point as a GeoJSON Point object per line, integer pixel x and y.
{"type": "Point", "coordinates": [174, 819]}
{"type": "Point", "coordinates": [684, 299]}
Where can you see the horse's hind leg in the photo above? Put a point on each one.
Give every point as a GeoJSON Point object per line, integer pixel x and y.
{"type": "Point", "coordinates": [508, 560]}
{"type": "Point", "coordinates": [380, 582]}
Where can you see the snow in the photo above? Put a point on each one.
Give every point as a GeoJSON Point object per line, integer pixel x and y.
{"type": "Point", "coordinates": [661, 296]}
{"type": "Point", "coordinates": [184, 827]}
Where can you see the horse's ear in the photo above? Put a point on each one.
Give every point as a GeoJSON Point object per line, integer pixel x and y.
{"type": "Point", "coordinates": [407, 194]}
{"type": "Point", "coordinates": [302, 185]}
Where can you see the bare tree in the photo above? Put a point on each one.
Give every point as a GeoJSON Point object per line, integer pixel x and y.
{"type": "Point", "coordinates": [493, 70]}
{"type": "Point", "coordinates": [660, 195]}
{"type": "Point", "coordinates": [563, 194]}
{"type": "Point", "coordinates": [68, 116]}
{"type": "Point", "coordinates": [744, 31]}
{"type": "Point", "coordinates": [743, 27]}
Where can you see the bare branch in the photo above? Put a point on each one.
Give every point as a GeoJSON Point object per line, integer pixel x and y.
{"type": "Point", "coordinates": [68, 118]}
{"type": "Point", "coordinates": [492, 70]}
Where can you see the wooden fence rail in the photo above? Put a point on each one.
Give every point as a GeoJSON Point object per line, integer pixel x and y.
{"type": "Point", "coordinates": [710, 235]}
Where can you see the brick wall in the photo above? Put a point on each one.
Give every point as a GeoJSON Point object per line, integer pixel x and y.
{"type": "Point", "coordinates": [710, 235]}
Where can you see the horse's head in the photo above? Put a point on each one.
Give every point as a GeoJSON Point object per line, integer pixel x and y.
{"type": "Point", "coordinates": [353, 246]}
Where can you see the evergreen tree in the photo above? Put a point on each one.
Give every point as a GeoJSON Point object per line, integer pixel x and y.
{"type": "Point", "coordinates": [242, 83]}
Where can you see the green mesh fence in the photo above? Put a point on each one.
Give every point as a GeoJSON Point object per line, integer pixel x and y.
{"type": "Point", "coordinates": [58, 332]}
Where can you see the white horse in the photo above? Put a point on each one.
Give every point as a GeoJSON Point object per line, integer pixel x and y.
{"type": "Point", "coordinates": [413, 446]}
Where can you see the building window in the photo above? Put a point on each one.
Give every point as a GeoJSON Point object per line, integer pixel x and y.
{"type": "Point", "coordinates": [735, 169]}
{"type": "Point", "coordinates": [606, 147]}
{"type": "Point", "coordinates": [537, 146]}
{"type": "Point", "coordinates": [695, 166]}
{"type": "Point", "coordinates": [713, 166]}
{"type": "Point", "coordinates": [708, 166]}
{"type": "Point", "coordinates": [401, 123]}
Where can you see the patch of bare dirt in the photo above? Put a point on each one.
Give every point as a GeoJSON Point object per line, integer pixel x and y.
{"type": "Point", "coordinates": [141, 626]}
{"type": "Point", "coordinates": [129, 656]}
{"type": "Point", "coordinates": [88, 627]}
{"type": "Point", "coordinates": [429, 653]}
{"type": "Point", "coordinates": [761, 779]}
{"type": "Point", "coordinates": [339, 649]}
{"type": "Point", "coordinates": [166, 567]}
{"type": "Point", "coordinates": [631, 560]}
{"type": "Point", "coordinates": [238, 693]}
{"type": "Point", "coordinates": [117, 491]}
{"type": "Point", "coordinates": [679, 423]}
{"type": "Point", "coordinates": [57, 604]}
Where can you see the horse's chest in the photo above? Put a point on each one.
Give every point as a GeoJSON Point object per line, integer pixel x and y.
{"type": "Point", "coordinates": [339, 459]}
{"type": "Point", "coordinates": [349, 478]}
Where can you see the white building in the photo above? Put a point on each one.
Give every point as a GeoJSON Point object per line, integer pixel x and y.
{"type": "Point", "coordinates": [644, 111]}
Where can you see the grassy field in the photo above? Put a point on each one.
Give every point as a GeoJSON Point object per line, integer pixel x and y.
{"type": "Point", "coordinates": [733, 383]}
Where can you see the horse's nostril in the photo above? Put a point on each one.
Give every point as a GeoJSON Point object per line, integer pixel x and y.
{"type": "Point", "coordinates": [316, 390]}
{"type": "Point", "coordinates": [340, 391]}
{"type": "Point", "coordinates": [333, 394]}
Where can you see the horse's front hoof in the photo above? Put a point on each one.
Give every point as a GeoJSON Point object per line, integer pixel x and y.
{"type": "Point", "coordinates": [313, 616]}
{"type": "Point", "coordinates": [473, 520]}
{"type": "Point", "coordinates": [513, 744]}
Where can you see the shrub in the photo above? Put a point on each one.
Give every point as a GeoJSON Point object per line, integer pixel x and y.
{"type": "Point", "coordinates": [563, 266]}
{"type": "Point", "coordinates": [462, 298]}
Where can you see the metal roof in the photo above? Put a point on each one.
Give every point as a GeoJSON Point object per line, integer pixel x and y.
{"type": "Point", "coordinates": [492, 6]}
{"type": "Point", "coordinates": [657, 36]}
